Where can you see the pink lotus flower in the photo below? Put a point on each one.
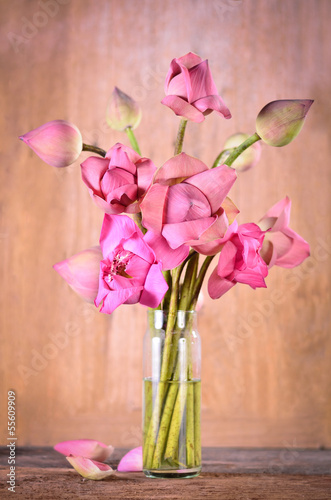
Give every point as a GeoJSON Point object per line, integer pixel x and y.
{"type": "Point", "coordinates": [88, 448]}
{"type": "Point", "coordinates": [191, 91]}
{"type": "Point", "coordinates": [183, 206]}
{"type": "Point", "coordinates": [239, 262]}
{"type": "Point", "coordinates": [81, 272]}
{"type": "Point", "coordinates": [118, 182]}
{"type": "Point", "coordinates": [58, 143]}
{"type": "Point", "coordinates": [129, 270]}
{"type": "Point", "coordinates": [282, 246]}
{"type": "Point", "coordinates": [132, 461]}
{"type": "Point", "coordinates": [90, 469]}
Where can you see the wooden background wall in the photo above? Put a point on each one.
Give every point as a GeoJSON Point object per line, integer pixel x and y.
{"type": "Point", "coordinates": [266, 354]}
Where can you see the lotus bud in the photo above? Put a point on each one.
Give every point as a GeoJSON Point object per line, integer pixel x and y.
{"type": "Point", "coordinates": [59, 143]}
{"type": "Point", "coordinates": [279, 122]}
{"type": "Point", "coordinates": [249, 158]}
{"type": "Point", "coordinates": [81, 272]}
{"type": "Point", "coordinates": [122, 111]}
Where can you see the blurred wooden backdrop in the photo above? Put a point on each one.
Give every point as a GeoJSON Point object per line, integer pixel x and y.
{"type": "Point", "coordinates": [266, 354]}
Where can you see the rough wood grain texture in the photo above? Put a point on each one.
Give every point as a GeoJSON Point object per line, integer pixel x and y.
{"type": "Point", "coordinates": [266, 354]}
{"type": "Point", "coordinates": [43, 474]}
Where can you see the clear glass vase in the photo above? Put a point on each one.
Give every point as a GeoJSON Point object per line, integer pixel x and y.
{"type": "Point", "coordinates": [172, 396]}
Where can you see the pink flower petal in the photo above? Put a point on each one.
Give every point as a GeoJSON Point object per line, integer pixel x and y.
{"type": "Point", "coordinates": [212, 103]}
{"type": "Point", "coordinates": [201, 81]}
{"type": "Point", "coordinates": [145, 172]}
{"type": "Point", "coordinates": [218, 286]}
{"type": "Point", "coordinates": [185, 202]}
{"type": "Point", "coordinates": [88, 448]}
{"type": "Point", "coordinates": [215, 184]}
{"type": "Point", "coordinates": [178, 234]}
{"type": "Point", "coordinates": [152, 207]}
{"type": "Point", "coordinates": [114, 298]}
{"type": "Point", "coordinates": [132, 461]}
{"type": "Point", "coordinates": [114, 230]}
{"type": "Point", "coordinates": [155, 287]}
{"type": "Point", "coordinates": [182, 108]}
{"type": "Point", "coordinates": [226, 263]}
{"type": "Point", "coordinates": [296, 253]}
{"type": "Point", "coordinates": [179, 167]}
{"type": "Point", "coordinates": [92, 170]}
{"type": "Point", "coordinates": [169, 257]}
{"type": "Point", "coordinates": [90, 469]}
{"type": "Point", "coordinates": [120, 156]}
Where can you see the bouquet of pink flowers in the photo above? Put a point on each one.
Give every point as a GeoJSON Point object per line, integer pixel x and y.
{"type": "Point", "coordinates": [164, 226]}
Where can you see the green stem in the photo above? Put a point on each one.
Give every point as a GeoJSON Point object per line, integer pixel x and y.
{"type": "Point", "coordinates": [133, 140]}
{"type": "Point", "coordinates": [94, 149]}
{"type": "Point", "coordinates": [199, 281]}
{"type": "Point", "coordinates": [217, 162]}
{"type": "Point", "coordinates": [180, 136]}
{"type": "Point", "coordinates": [137, 219]}
{"type": "Point", "coordinates": [241, 148]}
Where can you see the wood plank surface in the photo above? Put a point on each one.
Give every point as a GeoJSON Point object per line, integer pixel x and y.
{"type": "Point", "coordinates": [231, 474]}
{"type": "Point", "coordinates": [266, 354]}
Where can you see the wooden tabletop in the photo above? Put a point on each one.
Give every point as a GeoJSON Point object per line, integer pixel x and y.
{"type": "Point", "coordinates": [229, 474]}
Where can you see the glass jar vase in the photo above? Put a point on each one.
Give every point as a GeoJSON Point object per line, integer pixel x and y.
{"type": "Point", "coordinates": [171, 395]}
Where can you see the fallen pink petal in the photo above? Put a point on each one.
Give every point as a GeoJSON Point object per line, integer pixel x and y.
{"type": "Point", "coordinates": [132, 461]}
{"type": "Point", "coordinates": [88, 448]}
{"type": "Point", "coordinates": [90, 469]}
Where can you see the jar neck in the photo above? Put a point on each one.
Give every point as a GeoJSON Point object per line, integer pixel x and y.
{"type": "Point", "coordinates": [157, 319]}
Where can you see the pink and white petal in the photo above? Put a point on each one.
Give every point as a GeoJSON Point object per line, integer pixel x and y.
{"type": "Point", "coordinates": [185, 202]}
{"type": "Point", "coordinates": [155, 287]}
{"type": "Point", "coordinates": [280, 212]}
{"type": "Point", "coordinates": [145, 172]}
{"type": "Point", "coordinates": [169, 257]}
{"type": "Point", "coordinates": [216, 231]}
{"type": "Point", "coordinates": [179, 167]}
{"type": "Point", "coordinates": [132, 461]}
{"type": "Point", "coordinates": [296, 254]}
{"type": "Point", "coordinates": [215, 183]}
{"type": "Point", "coordinates": [178, 234]}
{"type": "Point", "coordinates": [212, 103]}
{"type": "Point", "coordinates": [90, 469]}
{"type": "Point", "coordinates": [152, 207]}
{"type": "Point", "coordinates": [114, 230]}
{"type": "Point", "coordinates": [230, 209]}
{"type": "Point", "coordinates": [281, 243]}
{"type": "Point", "coordinates": [182, 108]}
{"type": "Point", "coordinates": [93, 169]}
{"type": "Point", "coordinates": [218, 286]}
{"type": "Point", "coordinates": [88, 448]}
